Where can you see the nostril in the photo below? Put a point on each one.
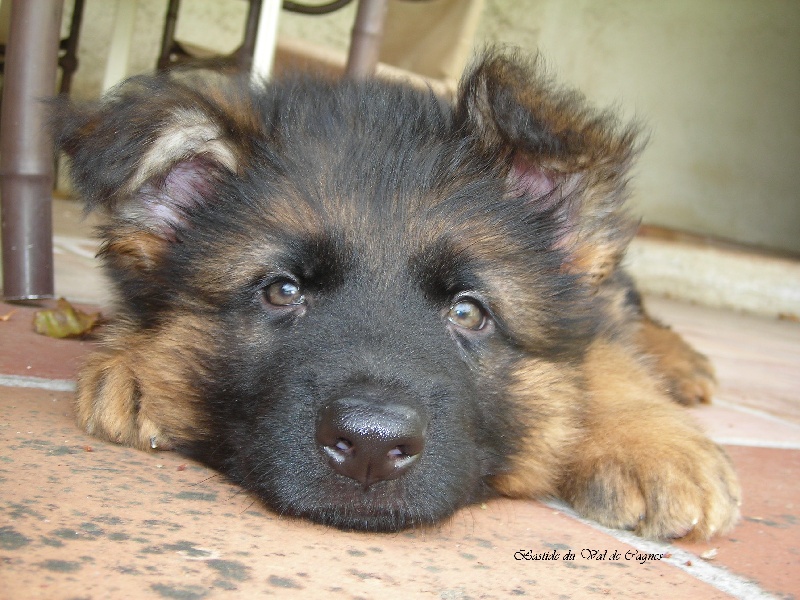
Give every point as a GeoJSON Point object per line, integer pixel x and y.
{"type": "Point", "coordinates": [343, 445]}
{"type": "Point", "coordinates": [399, 458]}
{"type": "Point", "coordinates": [404, 451]}
{"type": "Point", "coordinates": [339, 451]}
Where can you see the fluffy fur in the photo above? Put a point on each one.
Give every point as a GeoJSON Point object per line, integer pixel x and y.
{"type": "Point", "coordinates": [371, 306]}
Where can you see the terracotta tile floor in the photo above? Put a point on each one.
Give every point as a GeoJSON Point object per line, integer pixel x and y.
{"type": "Point", "coordinates": [80, 518]}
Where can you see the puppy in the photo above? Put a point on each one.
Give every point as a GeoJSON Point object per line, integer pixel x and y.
{"type": "Point", "coordinates": [371, 306]}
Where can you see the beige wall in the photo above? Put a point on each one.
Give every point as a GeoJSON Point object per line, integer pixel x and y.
{"type": "Point", "coordinates": [717, 83]}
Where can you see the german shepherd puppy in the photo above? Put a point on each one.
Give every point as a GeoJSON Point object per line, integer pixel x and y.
{"type": "Point", "coordinates": [370, 306]}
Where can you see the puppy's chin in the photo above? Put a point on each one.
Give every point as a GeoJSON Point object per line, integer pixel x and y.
{"type": "Point", "coordinates": [418, 499]}
{"type": "Point", "coordinates": [378, 519]}
{"type": "Point", "coordinates": [387, 508]}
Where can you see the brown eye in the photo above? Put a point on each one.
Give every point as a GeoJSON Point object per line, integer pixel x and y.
{"type": "Point", "coordinates": [467, 314]}
{"type": "Point", "coordinates": [283, 293]}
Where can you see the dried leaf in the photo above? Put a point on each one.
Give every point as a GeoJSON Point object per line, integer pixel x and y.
{"type": "Point", "coordinates": [64, 321]}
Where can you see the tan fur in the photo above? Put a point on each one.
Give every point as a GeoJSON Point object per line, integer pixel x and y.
{"type": "Point", "coordinates": [553, 428]}
{"type": "Point", "coordinates": [608, 438]}
{"type": "Point", "coordinates": [133, 249]}
{"type": "Point", "coordinates": [688, 374]}
{"type": "Point", "coordinates": [642, 464]}
{"type": "Point", "coordinates": [137, 390]}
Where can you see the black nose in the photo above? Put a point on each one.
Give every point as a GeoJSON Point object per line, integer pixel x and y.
{"type": "Point", "coordinates": [368, 440]}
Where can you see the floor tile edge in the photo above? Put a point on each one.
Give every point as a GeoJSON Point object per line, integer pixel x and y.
{"type": "Point", "coordinates": [21, 381]}
{"type": "Point", "coordinates": [717, 577]}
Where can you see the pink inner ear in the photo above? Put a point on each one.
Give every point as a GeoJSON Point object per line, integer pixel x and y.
{"type": "Point", "coordinates": [548, 192]}
{"type": "Point", "coordinates": [189, 182]}
{"type": "Point", "coordinates": [169, 199]}
{"type": "Point", "coordinates": [526, 179]}
{"type": "Point", "coordinates": [542, 188]}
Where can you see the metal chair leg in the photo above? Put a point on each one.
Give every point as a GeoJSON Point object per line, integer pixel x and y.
{"type": "Point", "coordinates": [26, 149]}
{"type": "Point", "coordinates": [365, 42]}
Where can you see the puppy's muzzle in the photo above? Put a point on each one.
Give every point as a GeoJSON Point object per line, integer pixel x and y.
{"type": "Point", "coordinates": [370, 439]}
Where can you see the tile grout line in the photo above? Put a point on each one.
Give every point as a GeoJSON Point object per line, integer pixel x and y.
{"type": "Point", "coordinates": [755, 443]}
{"type": "Point", "coordinates": [717, 577]}
{"type": "Point", "coordinates": [728, 440]}
{"type": "Point", "coordinates": [756, 413]}
{"type": "Point", "coordinates": [42, 383]}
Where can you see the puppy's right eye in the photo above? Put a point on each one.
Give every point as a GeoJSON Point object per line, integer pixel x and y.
{"type": "Point", "coordinates": [467, 314]}
{"type": "Point", "coordinates": [283, 293]}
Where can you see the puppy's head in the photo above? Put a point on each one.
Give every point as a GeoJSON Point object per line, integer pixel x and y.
{"type": "Point", "coordinates": [389, 295]}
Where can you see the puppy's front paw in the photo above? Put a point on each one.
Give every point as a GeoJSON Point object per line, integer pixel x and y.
{"type": "Point", "coordinates": [109, 404]}
{"type": "Point", "coordinates": [664, 491]}
{"type": "Point", "coordinates": [689, 375]}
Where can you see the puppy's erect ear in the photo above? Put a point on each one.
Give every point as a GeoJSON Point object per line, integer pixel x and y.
{"type": "Point", "coordinates": [566, 161]}
{"type": "Point", "coordinates": [153, 149]}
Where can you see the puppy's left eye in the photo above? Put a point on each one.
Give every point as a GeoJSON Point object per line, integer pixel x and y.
{"type": "Point", "coordinates": [468, 313]}
{"type": "Point", "coordinates": [283, 293]}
